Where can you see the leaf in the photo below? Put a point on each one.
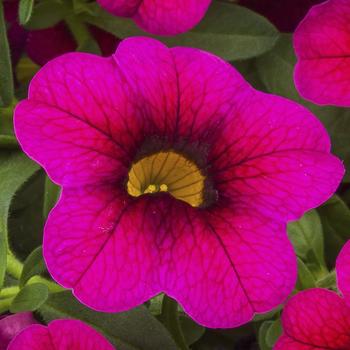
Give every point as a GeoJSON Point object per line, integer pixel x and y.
{"type": "Point", "coordinates": [15, 169]}
{"type": "Point", "coordinates": [262, 335]}
{"type": "Point", "coordinates": [306, 279]}
{"type": "Point", "coordinates": [47, 14]}
{"type": "Point", "coordinates": [276, 71]}
{"type": "Point", "coordinates": [306, 235]}
{"type": "Point", "coordinates": [273, 333]}
{"type": "Point", "coordinates": [8, 142]}
{"type": "Point", "coordinates": [30, 298]}
{"type": "Point", "coordinates": [191, 330]}
{"type": "Point", "coordinates": [52, 192]}
{"type": "Point", "coordinates": [335, 216]}
{"type": "Point", "coordinates": [33, 265]}
{"type": "Point", "coordinates": [136, 329]}
{"type": "Point", "coordinates": [25, 11]}
{"type": "Point", "coordinates": [228, 30]}
{"type": "Point", "coordinates": [6, 77]}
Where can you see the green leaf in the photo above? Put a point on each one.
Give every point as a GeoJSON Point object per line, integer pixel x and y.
{"type": "Point", "coordinates": [34, 265]}
{"type": "Point", "coordinates": [52, 192]}
{"type": "Point", "coordinates": [262, 335]}
{"type": "Point", "coordinates": [273, 333]}
{"type": "Point", "coordinates": [25, 11]}
{"type": "Point", "coordinates": [6, 75]}
{"type": "Point", "coordinates": [136, 329]}
{"type": "Point", "coordinates": [306, 235]}
{"type": "Point", "coordinates": [228, 30]}
{"type": "Point", "coordinates": [306, 279]}
{"type": "Point", "coordinates": [47, 14]}
{"type": "Point", "coordinates": [191, 330]}
{"type": "Point", "coordinates": [15, 169]}
{"type": "Point", "coordinates": [30, 298]}
{"type": "Point", "coordinates": [276, 71]}
{"type": "Point", "coordinates": [335, 216]}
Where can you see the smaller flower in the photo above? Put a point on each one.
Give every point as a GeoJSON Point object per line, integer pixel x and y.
{"type": "Point", "coordinates": [60, 335]}
{"type": "Point", "coordinates": [285, 15]}
{"type": "Point", "coordinates": [10, 326]}
{"type": "Point", "coordinates": [161, 17]}
{"type": "Point", "coordinates": [321, 42]}
{"type": "Point", "coordinates": [319, 318]}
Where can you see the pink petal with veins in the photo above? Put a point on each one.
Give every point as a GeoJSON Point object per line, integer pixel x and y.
{"type": "Point", "coordinates": [60, 335]}
{"type": "Point", "coordinates": [322, 45]}
{"type": "Point", "coordinates": [161, 17]}
{"type": "Point", "coordinates": [343, 271]}
{"type": "Point", "coordinates": [85, 121]}
{"type": "Point", "coordinates": [315, 319]}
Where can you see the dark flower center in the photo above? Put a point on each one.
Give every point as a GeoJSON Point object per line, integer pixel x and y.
{"type": "Point", "coordinates": [168, 171]}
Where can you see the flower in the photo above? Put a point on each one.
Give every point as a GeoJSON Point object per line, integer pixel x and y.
{"type": "Point", "coordinates": [321, 43]}
{"type": "Point", "coordinates": [319, 318]}
{"type": "Point", "coordinates": [161, 17]}
{"type": "Point", "coordinates": [38, 43]}
{"type": "Point", "coordinates": [10, 326]}
{"type": "Point", "coordinates": [40, 49]}
{"type": "Point", "coordinates": [62, 335]}
{"type": "Point", "coordinates": [177, 177]}
{"type": "Point", "coordinates": [285, 15]}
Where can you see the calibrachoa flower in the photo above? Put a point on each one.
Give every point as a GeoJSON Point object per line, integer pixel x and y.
{"type": "Point", "coordinates": [319, 318]}
{"type": "Point", "coordinates": [177, 177]}
{"type": "Point", "coordinates": [285, 15]}
{"type": "Point", "coordinates": [10, 326]}
{"type": "Point", "coordinates": [60, 335]}
{"type": "Point", "coordinates": [162, 17]}
{"type": "Point", "coordinates": [321, 42]}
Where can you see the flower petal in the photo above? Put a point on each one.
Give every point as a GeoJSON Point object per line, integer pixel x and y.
{"type": "Point", "coordinates": [321, 42]}
{"type": "Point", "coordinates": [274, 157]}
{"type": "Point", "coordinates": [60, 335]}
{"type": "Point", "coordinates": [343, 271]}
{"type": "Point", "coordinates": [160, 17]}
{"type": "Point", "coordinates": [218, 266]}
{"type": "Point", "coordinates": [10, 326]}
{"type": "Point", "coordinates": [316, 318]}
{"type": "Point", "coordinates": [225, 267]}
{"type": "Point", "coordinates": [94, 244]}
{"type": "Point", "coordinates": [70, 121]}
{"type": "Point", "coordinates": [186, 93]}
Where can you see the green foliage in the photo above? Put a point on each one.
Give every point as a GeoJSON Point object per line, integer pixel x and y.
{"type": "Point", "coordinates": [33, 265]}
{"type": "Point", "coordinates": [6, 79]}
{"type": "Point", "coordinates": [30, 298]}
{"type": "Point", "coordinates": [15, 169]}
{"type": "Point", "coordinates": [306, 235]}
{"type": "Point", "coordinates": [25, 11]}
{"type": "Point", "coordinates": [136, 329]}
{"type": "Point", "coordinates": [228, 30]}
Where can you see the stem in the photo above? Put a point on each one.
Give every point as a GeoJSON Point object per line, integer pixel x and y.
{"type": "Point", "coordinates": [14, 266]}
{"type": "Point", "coordinates": [5, 305]}
{"type": "Point", "coordinates": [170, 317]}
{"type": "Point", "coordinates": [9, 292]}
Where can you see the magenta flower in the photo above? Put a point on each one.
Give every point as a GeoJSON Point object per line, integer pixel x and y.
{"type": "Point", "coordinates": [10, 326]}
{"type": "Point", "coordinates": [161, 17]}
{"type": "Point", "coordinates": [285, 15]}
{"type": "Point", "coordinates": [321, 42]}
{"type": "Point", "coordinates": [60, 335]}
{"type": "Point", "coordinates": [177, 177]}
{"type": "Point", "coordinates": [318, 318]}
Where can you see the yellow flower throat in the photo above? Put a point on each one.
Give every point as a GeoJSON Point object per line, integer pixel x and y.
{"type": "Point", "coordinates": [167, 171]}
